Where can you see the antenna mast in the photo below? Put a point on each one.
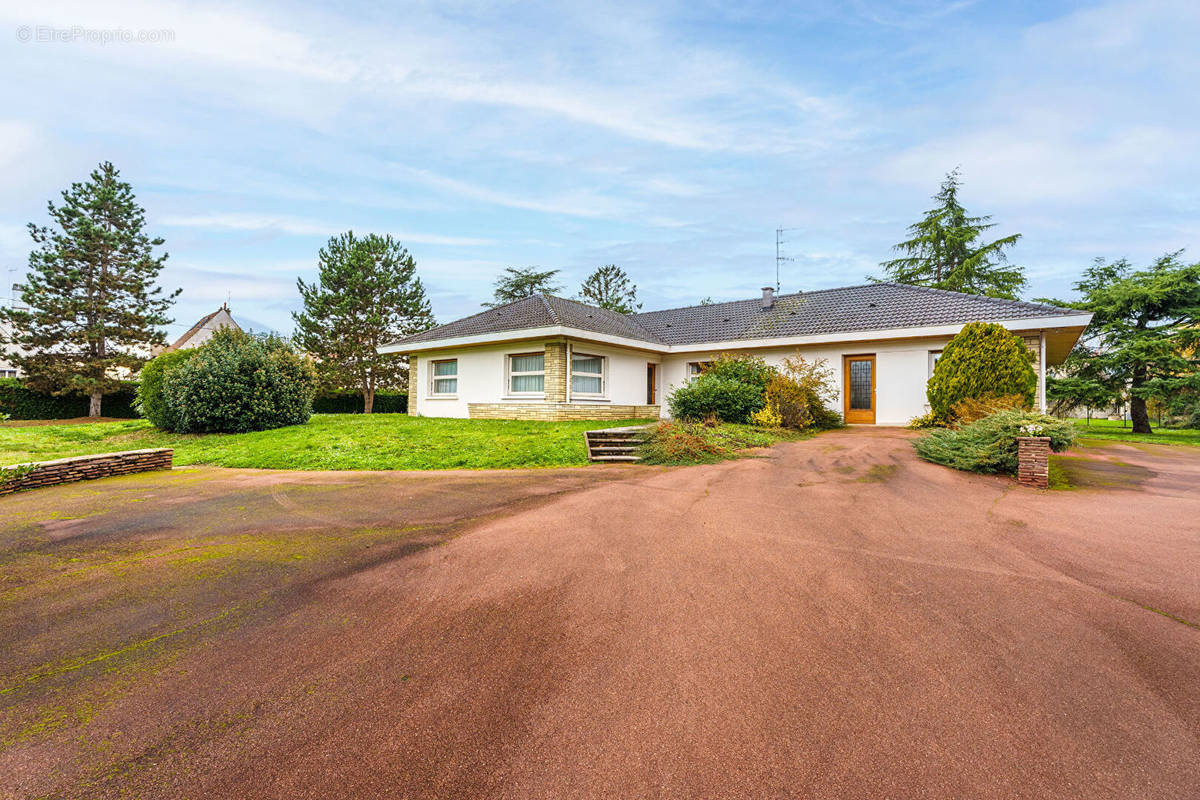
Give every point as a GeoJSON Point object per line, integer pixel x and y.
{"type": "Point", "coordinates": [779, 256]}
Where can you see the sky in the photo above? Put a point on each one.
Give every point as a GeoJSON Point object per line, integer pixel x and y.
{"type": "Point", "coordinates": [670, 138]}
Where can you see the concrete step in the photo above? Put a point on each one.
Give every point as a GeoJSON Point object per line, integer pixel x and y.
{"type": "Point", "coordinates": [615, 458]}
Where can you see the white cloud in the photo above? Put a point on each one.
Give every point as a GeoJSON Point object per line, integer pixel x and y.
{"type": "Point", "coordinates": [295, 226]}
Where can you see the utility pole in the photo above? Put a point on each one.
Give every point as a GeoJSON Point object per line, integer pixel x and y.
{"type": "Point", "coordinates": [779, 256]}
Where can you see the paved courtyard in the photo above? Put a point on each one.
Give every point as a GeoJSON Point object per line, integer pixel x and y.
{"type": "Point", "coordinates": [834, 620]}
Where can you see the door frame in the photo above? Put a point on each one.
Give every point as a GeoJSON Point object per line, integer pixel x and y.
{"type": "Point", "coordinates": [858, 416]}
{"type": "Point", "coordinates": [652, 383]}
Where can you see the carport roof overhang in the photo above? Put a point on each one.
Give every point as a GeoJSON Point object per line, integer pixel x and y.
{"type": "Point", "coordinates": [1061, 334]}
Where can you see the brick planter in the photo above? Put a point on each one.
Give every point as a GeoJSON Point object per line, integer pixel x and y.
{"type": "Point", "coordinates": [84, 468]}
{"type": "Point", "coordinates": [1033, 461]}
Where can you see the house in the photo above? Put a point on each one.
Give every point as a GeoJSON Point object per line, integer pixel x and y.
{"type": "Point", "coordinates": [547, 357]}
{"type": "Point", "coordinates": [203, 330]}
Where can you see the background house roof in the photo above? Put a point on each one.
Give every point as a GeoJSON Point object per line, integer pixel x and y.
{"type": "Point", "coordinates": [874, 306]}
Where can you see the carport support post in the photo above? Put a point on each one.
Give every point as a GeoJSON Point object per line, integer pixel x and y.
{"type": "Point", "coordinates": [1033, 461]}
{"type": "Point", "coordinates": [1042, 371]}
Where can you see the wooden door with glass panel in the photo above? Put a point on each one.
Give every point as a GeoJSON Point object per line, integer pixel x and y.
{"type": "Point", "coordinates": [859, 385]}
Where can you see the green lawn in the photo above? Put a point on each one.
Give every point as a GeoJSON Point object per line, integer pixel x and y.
{"type": "Point", "coordinates": [327, 441]}
{"type": "Point", "coordinates": [1113, 431]}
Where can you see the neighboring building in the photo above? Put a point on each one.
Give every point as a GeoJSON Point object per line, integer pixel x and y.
{"type": "Point", "coordinates": [7, 368]}
{"type": "Point", "coordinates": [203, 330]}
{"type": "Point", "coordinates": [546, 357]}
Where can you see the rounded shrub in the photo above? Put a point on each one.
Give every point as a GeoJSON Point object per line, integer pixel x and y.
{"type": "Point", "coordinates": [710, 396]}
{"type": "Point", "coordinates": [150, 400]}
{"type": "Point", "coordinates": [983, 360]}
{"type": "Point", "coordinates": [731, 389]}
{"type": "Point", "coordinates": [237, 382]}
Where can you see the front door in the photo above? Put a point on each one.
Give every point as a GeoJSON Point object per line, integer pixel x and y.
{"type": "Point", "coordinates": [859, 384]}
{"type": "Point", "coordinates": [651, 384]}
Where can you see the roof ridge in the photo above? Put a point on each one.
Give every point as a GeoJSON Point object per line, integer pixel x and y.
{"type": "Point", "coordinates": [549, 308]}
{"type": "Point", "coordinates": [617, 314]}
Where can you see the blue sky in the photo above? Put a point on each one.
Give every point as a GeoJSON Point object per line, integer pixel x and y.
{"type": "Point", "coordinates": [668, 138]}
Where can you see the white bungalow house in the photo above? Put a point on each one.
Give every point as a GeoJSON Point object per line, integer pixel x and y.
{"type": "Point", "coordinates": [547, 357]}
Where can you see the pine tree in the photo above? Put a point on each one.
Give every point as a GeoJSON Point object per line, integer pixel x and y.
{"type": "Point", "coordinates": [609, 287]}
{"type": "Point", "coordinates": [367, 294]}
{"type": "Point", "coordinates": [1144, 337]}
{"type": "Point", "coordinates": [93, 305]}
{"type": "Point", "coordinates": [945, 251]}
{"type": "Point", "coordinates": [517, 283]}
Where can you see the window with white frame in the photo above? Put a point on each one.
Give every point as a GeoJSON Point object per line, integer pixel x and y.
{"type": "Point", "coordinates": [696, 368]}
{"type": "Point", "coordinates": [587, 375]}
{"type": "Point", "coordinates": [527, 373]}
{"type": "Point", "coordinates": [444, 377]}
{"type": "Point", "coordinates": [934, 355]}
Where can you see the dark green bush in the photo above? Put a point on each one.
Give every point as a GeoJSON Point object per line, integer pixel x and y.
{"type": "Point", "coordinates": [748, 370]}
{"type": "Point", "coordinates": [150, 400]}
{"type": "Point", "coordinates": [710, 396]}
{"type": "Point", "coordinates": [983, 360]}
{"type": "Point", "coordinates": [352, 403]}
{"type": "Point", "coordinates": [990, 445]}
{"type": "Point", "coordinates": [20, 402]}
{"type": "Point", "coordinates": [730, 389]}
{"type": "Point", "coordinates": [237, 382]}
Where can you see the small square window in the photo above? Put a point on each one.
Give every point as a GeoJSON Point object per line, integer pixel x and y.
{"type": "Point", "coordinates": [444, 377]}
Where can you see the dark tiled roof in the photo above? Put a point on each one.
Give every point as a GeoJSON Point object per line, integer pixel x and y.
{"type": "Point", "coordinates": [875, 306]}
{"type": "Point", "coordinates": [538, 311]}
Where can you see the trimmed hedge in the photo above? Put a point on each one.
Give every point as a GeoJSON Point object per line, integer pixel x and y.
{"type": "Point", "coordinates": [20, 402]}
{"type": "Point", "coordinates": [352, 403]}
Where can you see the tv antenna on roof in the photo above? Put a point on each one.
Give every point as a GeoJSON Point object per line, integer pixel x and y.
{"type": "Point", "coordinates": [779, 256]}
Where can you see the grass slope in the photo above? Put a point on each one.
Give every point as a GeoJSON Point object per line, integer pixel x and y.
{"type": "Point", "coordinates": [327, 441]}
{"type": "Point", "coordinates": [1112, 430]}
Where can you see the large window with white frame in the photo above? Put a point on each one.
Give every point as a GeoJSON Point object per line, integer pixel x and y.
{"type": "Point", "coordinates": [587, 375]}
{"type": "Point", "coordinates": [527, 373]}
{"type": "Point", "coordinates": [443, 378]}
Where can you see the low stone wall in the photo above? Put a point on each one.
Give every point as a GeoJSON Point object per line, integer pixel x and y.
{"type": "Point", "coordinates": [1033, 461]}
{"type": "Point", "coordinates": [559, 411]}
{"type": "Point", "coordinates": [82, 468]}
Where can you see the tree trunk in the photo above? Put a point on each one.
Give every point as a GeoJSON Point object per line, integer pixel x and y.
{"type": "Point", "coordinates": [94, 403]}
{"type": "Point", "coordinates": [368, 400]}
{"type": "Point", "coordinates": [1138, 415]}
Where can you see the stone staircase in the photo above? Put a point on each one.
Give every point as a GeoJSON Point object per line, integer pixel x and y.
{"type": "Point", "coordinates": [615, 444]}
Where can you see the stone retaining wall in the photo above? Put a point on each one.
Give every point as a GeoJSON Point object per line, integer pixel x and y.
{"type": "Point", "coordinates": [1033, 461]}
{"type": "Point", "coordinates": [559, 411]}
{"type": "Point", "coordinates": [82, 468]}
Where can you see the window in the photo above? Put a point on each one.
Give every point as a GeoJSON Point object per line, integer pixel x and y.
{"type": "Point", "coordinates": [587, 375]}
{"type": "Point", "coordinates": [527, 373]}
{"type": "Point", "coordinates": [445, 377]}
{"type": "Point", "coordinates": [934, 355]}
{"type": "Point", "coordinates": [695, 368]}
{"type": "Point", "coordinates": [8, 373]}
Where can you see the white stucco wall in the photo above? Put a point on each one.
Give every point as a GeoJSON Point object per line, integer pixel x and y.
{"type": "Point", "coordinates": [482, 376]}
{"type": "Point", "coordinates": [902, 370]}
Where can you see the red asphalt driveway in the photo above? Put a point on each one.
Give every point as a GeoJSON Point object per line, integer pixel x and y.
{"type": "Point", "coordinates": [834, 620]}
